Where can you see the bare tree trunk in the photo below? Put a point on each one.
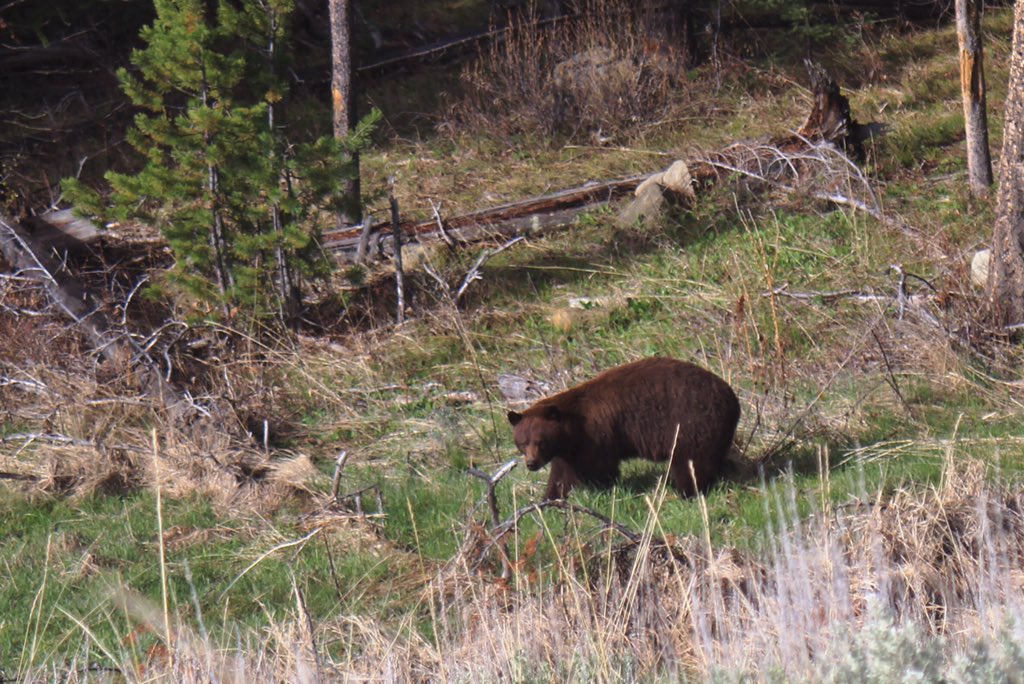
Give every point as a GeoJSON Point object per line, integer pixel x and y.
{"type": "Point", "coordinates": [217, 237]}
{"type": "Point", "coordinates": [1006, 270]}
{"type": "Point", "coordinates": [396, 233]}
{"type": "Point", "coordinates": [972, 86]}
{"type": "Point", "coordinates": [343, 101]}
{"type": "Point", "coordinates": [288, 294]}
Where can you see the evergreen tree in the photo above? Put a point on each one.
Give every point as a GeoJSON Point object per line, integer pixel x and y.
{"type": "Point", "coordinates": [233, 195]}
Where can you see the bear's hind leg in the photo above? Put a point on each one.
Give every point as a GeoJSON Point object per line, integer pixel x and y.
{"type": "Point", "coordinates": [562, 479]}
{"type": "Point", "coordinates": [684, 480]}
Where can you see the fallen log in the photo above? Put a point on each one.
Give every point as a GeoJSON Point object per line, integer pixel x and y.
{"type": "Point", "coordinates": [531, 216]}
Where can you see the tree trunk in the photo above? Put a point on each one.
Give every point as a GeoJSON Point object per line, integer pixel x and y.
{"type": "Point", "coordinates": [343, 101]}
{"type": "Point", "coordinates": [288, 299]}
{"type": "Point", "coordinates": [972, 86]}
{"type": "Point", "coordinates": [217, 237]}
{"type": "Point", "coordinates": [396, 233]}
{"type": "Point", "coordinates": [1006, 270]}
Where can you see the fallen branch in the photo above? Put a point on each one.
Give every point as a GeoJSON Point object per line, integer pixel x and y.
{"type": "Point", "coordinates": [492, 501]}
{"type": "Point", "coordinates": [783, 291]}
{"type": "Point", "coordinates": [30, 258]}
{"type": "Point", "coordinates": [356, 496]}
{"type": "Point", "coordinates": [492, 482]}
{"type": "Point", "coordinates": [436, 208]}
{"type": "Point", "coordinates": [532, 215]}
{"type": "Point", "coordinates": [499, 531]}
{"type": "Point", "coordinates": [474, 273]}
{"type": "Point", "coordinates": [336, 480]}
{"type": "Point", "coordinates": [4, 475]}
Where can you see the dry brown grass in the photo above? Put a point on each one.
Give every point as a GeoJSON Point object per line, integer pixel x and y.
{"type": "Point", "coordinates": [606, 70]}
{"type": "Point", "coordinates": [76, 425]}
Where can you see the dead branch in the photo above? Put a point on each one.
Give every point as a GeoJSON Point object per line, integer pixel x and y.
{"type": "Point", "coordinates": [499, 531]}
{"type": "Point", "coordinates": [20, 249]}
{"type": "Point", "coordinates": [5, 475]}
{"type": "Point", "coordinates": [436, 208]}
{"type": "Point", "coordinates": [355, 497]}
{"type": "Point", "coordinates": [77, 303]}
{"type": "Point", "coordinates": [30, 385]}
{"type": "Point", "coordinates": [828, 297]}
{"type": "Point", "coordinates": [891, 375]}
{"type": "Point", "coordinates": [432, 272]}
{"type": "Point", "coordinates": [336, 480]}
{"type": "Point", "coordinates": [49, 437]}
{"type": "Point", "coordinates": [492, 501]}
{"type": "Point", "coordinates": [474, 273]}
{"type": "Point", "coordinates": [533, 215]}
{"type": "Point", "coordinates": [492, 483]}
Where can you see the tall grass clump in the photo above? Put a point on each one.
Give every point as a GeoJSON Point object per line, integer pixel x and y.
{"type": "Point", "coordinates": [603, 70]}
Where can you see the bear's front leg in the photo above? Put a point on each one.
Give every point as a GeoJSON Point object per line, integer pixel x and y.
{"type": "Point", "coordinates": [561, 481]}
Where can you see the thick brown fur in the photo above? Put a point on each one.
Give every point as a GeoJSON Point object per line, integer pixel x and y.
{"type": "Point", "coordinates": [631, 411]}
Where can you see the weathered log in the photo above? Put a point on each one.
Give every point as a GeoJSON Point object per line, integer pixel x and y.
{"type": "Point", "coordinates": [61, 231]}
{"type": "Point", "coordinates": [534, 216]}
{"type": "Point", "coordinates": [830, 119]}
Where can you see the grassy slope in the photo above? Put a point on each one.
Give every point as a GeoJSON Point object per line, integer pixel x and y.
{"type": "Point", "coordinates": [847, 381]}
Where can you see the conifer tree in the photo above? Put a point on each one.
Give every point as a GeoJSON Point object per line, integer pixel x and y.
{"type": "Point", "coordinates": [232, 193]}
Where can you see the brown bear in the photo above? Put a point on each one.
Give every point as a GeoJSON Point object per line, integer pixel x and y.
{"type": "Point", "coordinates": [631, 411]}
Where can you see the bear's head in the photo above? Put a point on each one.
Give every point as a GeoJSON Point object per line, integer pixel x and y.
{"type": "Point", "coordinates": [541, 433]}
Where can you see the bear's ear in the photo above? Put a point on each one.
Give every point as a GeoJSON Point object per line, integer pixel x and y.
{"type": "Point", "coordinates": [514, 417]}
{"type": "Point", "coordinates": [552, 412]}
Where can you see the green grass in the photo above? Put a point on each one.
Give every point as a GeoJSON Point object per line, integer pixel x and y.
{"type": "Point", "coordinates": [89, 559]}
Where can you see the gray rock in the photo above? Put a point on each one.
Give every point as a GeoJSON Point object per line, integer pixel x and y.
{"type": "Point", "coordinates": [980, 266]}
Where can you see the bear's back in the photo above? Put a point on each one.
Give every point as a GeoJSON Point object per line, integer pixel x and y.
{"type": "Point", "coordinates": [640, 406]}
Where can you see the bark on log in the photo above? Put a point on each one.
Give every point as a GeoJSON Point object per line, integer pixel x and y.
{"type": "Point", "coordinates": [534, 215]}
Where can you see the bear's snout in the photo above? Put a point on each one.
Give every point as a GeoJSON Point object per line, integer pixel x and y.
{"type": "Point", "coordinates": [533, 459]}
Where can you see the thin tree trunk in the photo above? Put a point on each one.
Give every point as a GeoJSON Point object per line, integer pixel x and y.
{"type": "Point", "coordinates": [972, 86]}
{"type": "Point", "coordinates": [216, 238]}
{"type": "Point", "coordinates": [1006, 269]}
{"type": "Point", "coordinates": [287, 291]}
{"type": "Point", "coordinates": [343, 101]}
{"type": "Point", "coordinates": [396, 233]}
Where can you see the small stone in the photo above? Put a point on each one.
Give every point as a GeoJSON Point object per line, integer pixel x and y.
{"type": "Point", "coordinates": [980, 266]}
